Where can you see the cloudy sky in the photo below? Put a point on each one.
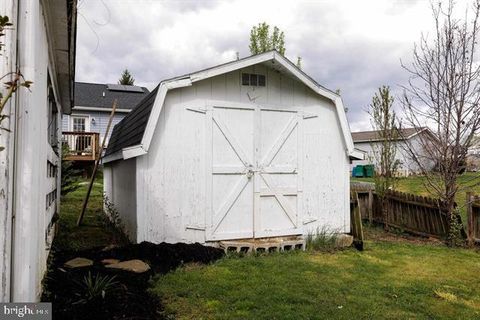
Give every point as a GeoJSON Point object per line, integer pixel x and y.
{"type": "Point", "coordinates": [354, 46]}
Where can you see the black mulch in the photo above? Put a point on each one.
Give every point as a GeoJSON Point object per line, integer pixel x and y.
{"type": "Point", "coordinates": [130, 298]}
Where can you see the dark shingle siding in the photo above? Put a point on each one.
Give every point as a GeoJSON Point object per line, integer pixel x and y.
{"type": "Point", "coordinates": [129, 131]}
{"type": "Point", "coordinates": [91, 95]}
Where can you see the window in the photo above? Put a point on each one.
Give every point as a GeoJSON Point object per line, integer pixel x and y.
{"type": "Point", "coordinates": [52, 116]}
{"type": "Point", "coordinates": [254, 80]}
{"type": "Point", "coordinates": [78, 124]}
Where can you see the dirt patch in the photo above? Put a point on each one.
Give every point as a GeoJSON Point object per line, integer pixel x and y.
{"type": "Point", "coordinates": [377, 233]}
{"type": "Point", "coordinates": [127, 297]}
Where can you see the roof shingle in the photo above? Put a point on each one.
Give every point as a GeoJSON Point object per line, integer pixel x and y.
{"type": "Point", "coordinates": [98, 95]}
{"type": "Point", "coordinates": [129, 131]}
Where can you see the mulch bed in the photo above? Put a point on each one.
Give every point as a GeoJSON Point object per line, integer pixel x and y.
{"type": "Point", "coordinates": [130, 298]}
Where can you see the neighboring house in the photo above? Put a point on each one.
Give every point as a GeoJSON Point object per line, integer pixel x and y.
{"type": "Point", "coordinates": [369, 141]}
{"type": "Point", "coordinates": [85, 127]}
{"type": "Point", "coordinates": [253, 148]}
{"type": "Point", "coordinates": [41, 44]}
{"type": "Point", "coordinates": [473, 155]}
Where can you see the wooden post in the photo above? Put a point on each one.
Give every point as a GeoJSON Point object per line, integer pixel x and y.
{"type": "Point", "coordinates": [357, 217]}
{"type": "Point", "coordinates": [97, 161]}
{"type": "Point", "coordinates": [370, 206]}
{"type": "Point", "coordinates": [470, 229]}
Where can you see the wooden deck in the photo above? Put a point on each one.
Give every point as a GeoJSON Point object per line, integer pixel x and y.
{"type": "Point", "coordinates": [82, 146]}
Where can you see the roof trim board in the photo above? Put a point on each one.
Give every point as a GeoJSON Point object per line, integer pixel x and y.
{"type": "Point", "coordinates": [188, 80]}
{"type": "Point", "coordinates": [400, 137]}
{"type": "Point", "coordinates": [113, 157]}
{"type": "Point", "coordinates": [84, 108]}
{"type": "Point", "coordinates": [133, 151]}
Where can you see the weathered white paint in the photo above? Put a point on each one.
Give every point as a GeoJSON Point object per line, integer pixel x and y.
{"type": "Point", "coordinates": [272, 59]}
{"type": "Point", "coordinates": [119, 188]}
{"type": "Point", "coordinates": [7, 65]}
{"type": "Point", "coordinates": [33, 46]}
{"type": "Point", "coordinates": [222, 166]}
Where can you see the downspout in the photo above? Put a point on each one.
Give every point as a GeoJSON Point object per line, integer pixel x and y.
{"type": "Point", "coordinates": [13, 150]}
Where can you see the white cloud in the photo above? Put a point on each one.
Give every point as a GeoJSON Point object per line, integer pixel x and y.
{"type": "Point", "coordinates": [351, 45]}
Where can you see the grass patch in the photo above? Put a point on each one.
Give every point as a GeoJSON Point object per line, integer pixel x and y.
{"type": "Point", "coordinates": [386, 281]}
{"type": "Point", "coordinates": [415, 185]}
{"type": "Point", "coordinates": [94, 232]}
{"type": "Point", "coordinates": [322, 239]}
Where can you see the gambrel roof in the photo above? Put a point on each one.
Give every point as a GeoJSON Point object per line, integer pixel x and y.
{"type": "Point", "coordinates": [125, 147]}
{"type": "Point", "coordinates": [129, 131]}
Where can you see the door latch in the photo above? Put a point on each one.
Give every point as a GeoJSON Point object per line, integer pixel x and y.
{"type": "Point", "coordinates": [250, 172]}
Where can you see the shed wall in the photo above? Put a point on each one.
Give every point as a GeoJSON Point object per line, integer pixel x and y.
{"type": "Point", "coordinates": [171, 177]}
{"type": "Point", "coordinates": [120, 190]}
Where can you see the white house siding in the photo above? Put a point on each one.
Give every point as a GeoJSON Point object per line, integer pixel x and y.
{"type": "Point", "coordinates": [120, 189]}
{"type": "Point", "coordinates": [407, 165]}
{"type": "Point", "coordinates": [100, 124]}
{"type": "Point", "coordinates": [171, 178]}
{"type": "Point", "coordinates": [7, 65]}
{"type": "Point", "coordinates": [31, 187]}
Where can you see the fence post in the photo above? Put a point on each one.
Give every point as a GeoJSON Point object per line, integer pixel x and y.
{"type": "Point", "coordinates": [469, 218]}
{"type": "Point", "coordinates": [357, 225]}
{"type": "Point", "coordinates": [370, 206]}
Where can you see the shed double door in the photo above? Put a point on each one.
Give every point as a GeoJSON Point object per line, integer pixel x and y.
{"type": "Point", "coordinates": [253, 172]}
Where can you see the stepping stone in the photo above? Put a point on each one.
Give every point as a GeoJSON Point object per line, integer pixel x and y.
{"type": "Point", "coordinates": [343, 240]}
{"type": "Point", "coordinates": [137, 266]}
{"type": "Point", "coordinates": [78, 263]}
{"type": "Point", "coordinates": [110, 261]}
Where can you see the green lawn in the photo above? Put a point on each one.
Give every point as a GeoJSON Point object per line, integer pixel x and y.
{"type": "Point", "coordinates": [389, 280]}
{"type": "Point", "coordinates": [415, 185]}
{"type": "Point", "coordinates": [94, 232]}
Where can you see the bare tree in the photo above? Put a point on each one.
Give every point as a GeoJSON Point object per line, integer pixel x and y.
{"type": "Point", "coordinates": [384, 121]}
{"type": "Point", "coordinates": [444, 92]}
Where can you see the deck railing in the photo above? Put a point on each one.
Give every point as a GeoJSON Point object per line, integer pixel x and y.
{"type": "Point", "coordinates": [82, 146]}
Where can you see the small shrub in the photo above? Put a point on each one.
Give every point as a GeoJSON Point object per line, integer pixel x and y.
{"type": "Point", "coordinates": [95, 288]}
{"type": "Point", "coordinates": [322, 239]}
{"type": "Point", "coordinates": [454, 237]}
{"type": "Point", "coordinates": [112, 219]}
{"type": "Point", "coordinates": [71, 176]}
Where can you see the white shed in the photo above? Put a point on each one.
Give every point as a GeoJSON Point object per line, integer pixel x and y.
{"type": "Point", "coordinates": [253, 148]}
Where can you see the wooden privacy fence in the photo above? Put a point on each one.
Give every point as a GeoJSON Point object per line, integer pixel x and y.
{"type": "Point", "coordinates": [416, 214]}
{"type": "Point", "coordinates": [473, 218]}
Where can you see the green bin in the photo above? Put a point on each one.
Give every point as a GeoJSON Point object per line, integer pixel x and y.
{"type": "Point", "coordinates": [368, 170]}
{"type": "Point", "coordinates": [358, 171]}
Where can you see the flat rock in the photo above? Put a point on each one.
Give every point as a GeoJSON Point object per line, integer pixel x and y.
{"type": "Point", "coordinates": [137, 266]}
{"type": "Point", "coordinates": [110, 261]}
{"type": "Point", "coordinates": [343, 240]}
{"type": "Point", "coordinates": [78, 263]}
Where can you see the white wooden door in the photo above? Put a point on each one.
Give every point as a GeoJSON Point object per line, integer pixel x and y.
{"type": "Point", "coordinates": [278, 190]}
{"type": "Point", "coordinates": [253, 166]}
{"type": "Point", "coordinates": [229, 190]}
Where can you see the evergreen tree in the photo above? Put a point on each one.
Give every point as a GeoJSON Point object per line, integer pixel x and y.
{"type": "Point", "coordinates": [126, 78]}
